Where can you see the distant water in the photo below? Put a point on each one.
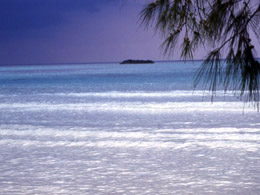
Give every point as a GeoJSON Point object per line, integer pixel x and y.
{"type": "Point", "coordinates": [123, 129]}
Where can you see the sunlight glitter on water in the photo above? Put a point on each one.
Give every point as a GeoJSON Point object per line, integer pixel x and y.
{"type": "Point", "coordinates": [111, 129]}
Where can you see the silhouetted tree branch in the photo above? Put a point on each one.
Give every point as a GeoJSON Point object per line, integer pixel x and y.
{"type": "Point", "coordinates": [224, 28]}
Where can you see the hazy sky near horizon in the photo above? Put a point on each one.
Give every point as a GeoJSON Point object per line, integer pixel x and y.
{"type": "Point", "coordinates": [74, 31]}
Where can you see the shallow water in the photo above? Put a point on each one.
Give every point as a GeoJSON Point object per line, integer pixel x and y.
{"type": "Point", "coordinates": [113, 129]}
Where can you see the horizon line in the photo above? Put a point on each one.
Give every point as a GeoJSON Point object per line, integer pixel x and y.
{"type": "Point", "coordinates": [78, 63]}
{"type": "Point", "coordinates": [108, 62]}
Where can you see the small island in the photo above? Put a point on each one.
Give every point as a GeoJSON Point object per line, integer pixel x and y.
{"type": "Point", "coordinates": [130, 61]}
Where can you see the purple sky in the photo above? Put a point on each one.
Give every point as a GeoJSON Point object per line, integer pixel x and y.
{"type": "Point", "coordinates": [75, 31]}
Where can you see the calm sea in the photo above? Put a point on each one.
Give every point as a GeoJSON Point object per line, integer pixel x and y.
{"type": "Point", "coordinates": [123, 129]}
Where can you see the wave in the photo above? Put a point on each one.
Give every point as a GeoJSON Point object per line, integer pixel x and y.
{"type": "Point", "coordinates": [145, 94]}
{"type": "Point", "coordinates": [250, 147]}
{"type": "Point", "coordinates": [222, 138]}
{"type": "Point", "coordinates": [132, 107]}
{"type": "Point", "coordinates": [246, 134]}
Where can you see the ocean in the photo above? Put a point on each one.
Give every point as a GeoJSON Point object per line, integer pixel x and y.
{"type": "Point", "coordinates": [107, 128]}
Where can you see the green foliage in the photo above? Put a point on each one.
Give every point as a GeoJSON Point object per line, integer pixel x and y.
{"type": "Point", "coordinates": [224, 28]}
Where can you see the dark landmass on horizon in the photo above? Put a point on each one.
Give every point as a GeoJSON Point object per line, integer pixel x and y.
{"type": "Point", "coordinates": [130, 61]}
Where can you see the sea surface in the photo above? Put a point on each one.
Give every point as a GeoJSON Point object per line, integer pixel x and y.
{"type": "Point", "coordinates": [107, 128]}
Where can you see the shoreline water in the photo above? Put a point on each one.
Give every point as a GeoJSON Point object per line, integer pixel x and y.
{"type": "Point", "coordinates": [108, 129]}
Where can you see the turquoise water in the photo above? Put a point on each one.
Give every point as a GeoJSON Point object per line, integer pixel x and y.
{"type": "Point", "coordinates": [123, 129]}
{"type": "Point", "coordinates": [99, 77]}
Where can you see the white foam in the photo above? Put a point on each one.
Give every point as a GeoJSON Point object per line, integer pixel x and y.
{"type": "Point", "coordinates": [245, 134]}
{"type": "Point", "coordinates": [237, 138]}
{"type": "Point", "coordinates": [145, 94]}
{"type": "Point", "coordinates": [134, 107]}
{"type": "Point", "coordinates": [247, 146]}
